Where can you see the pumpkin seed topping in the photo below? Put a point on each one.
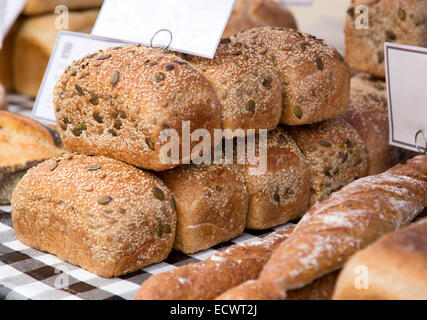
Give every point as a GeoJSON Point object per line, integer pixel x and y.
{"type": "Point", "coordinates": [115, 78]}
{"type": "Point", "coordinates": [276, 196]}
{"type": "Point", "coordinates": [150, 143]}
{"type": "Point", "coordinates": [63, 126]}
{"type": "Point", "coordinates": [267, 82]}
{"type": "Point", "coordinates": [325, 143]}
{"type": "Point", "coordinates": [173, 202]}
{"type": "Point", "coordinates": [158, 193]}
{"type": "Point", "coordinates": [298, 112]}
{"type": "Point", "coordinates": [117, 124]}
{"type": "Point", "coordinates": [319, 64]}
{"type": "Point", "coordinates": [79, 89]}
{"type": "Point", "coordinates": [105, 200]}
{"type": "Point", "coordinates": [113, 132]}
{"type": "Point", "coordinates": [104, 57]}
{"type": "Point", "coordinates": [77, 132]}
{"type": "Point", "coordinates": [250, 107]}
{"type": "Point", "coordinates": [97, 117]}
{"type": "Point", "coordinates": [169, 67]}
{"type": "Point", "coordinates": [380, 56]}
{"type": "Point", "coordinates": [122, 115]}
{"type": "Point", "coordinates": [390, 35]}
{"type": "Point", "coordinates": [94, 167]}
{"type": "Point", "coordinates": [167, 228]}
{"type": "Point", "coordinates": [94, 101]}
{"type": "Point", "coordinates": [53, 166]}
{"type": "Point", "coordinates": [402, 14]}
{"type": "Point", "coordinates": [159, 77]}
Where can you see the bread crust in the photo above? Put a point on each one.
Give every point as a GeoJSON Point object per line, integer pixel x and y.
{"type": "Point", "coordinates": [248, 87]}
{"type": "Point", "coordinates": [315, 78]}
{"type": "Point", "coordinates": [207, 279]}
{"type": "Point", "coordinates": [117, 102]}
{"type": "Point", "coordinates": [396, 266]}
{"type": "Point", "coordinates": [336, 155]}
{"type": "Point", "coordinates": [349, 220]}
{"type": "Point", "coordinates": [3, 102]}
{"type": "Point", "coordinates": [212, 204]}
{"type": "Point", "coordinates": [248, 14]}
{"type": "Point", "coordinates": [95, 212]}
{"type": "Point", "coordinates": [36, 7]}
{"type": "Point", "coordinates": [282, 193]}
{"type": "Point", "coordinates": [403, 22]}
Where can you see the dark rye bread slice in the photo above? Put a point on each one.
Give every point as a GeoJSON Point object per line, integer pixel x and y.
{"type": "Point", "coordinates": [23, 144]}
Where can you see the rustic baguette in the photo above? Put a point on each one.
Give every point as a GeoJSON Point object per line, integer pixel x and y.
{"type": "Point", "coordinates": [347, 221]}
{"type": "Point", "coordinates": [395, 268]}
{"type": "Point", "coordinates": [209, 278]}
{"type": "Point", "coordinates": [320, 289]}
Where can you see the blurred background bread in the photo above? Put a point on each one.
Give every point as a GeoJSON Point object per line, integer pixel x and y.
{"type": "Point", "coordinates": [36, 7]}
{"type": "Point", "coordinates": [23, 143]}
{"type": "Point", "coordinates": [392, 268]}
{"type": "Point", "coordinates": [33, 45]}
{"type": "Point", "coordinates": [3, 101]}
{"type": "Point", "coordinates": [248, 14]}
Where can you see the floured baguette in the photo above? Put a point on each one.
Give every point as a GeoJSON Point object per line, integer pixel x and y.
{"type": "Point", "coordinates": [209, 278]}
{"type": "Point", "coordinates": [393, 268]}
{"type": "Point", "coordinates": [347, 221]}
{"type": "Point", "coordinates": [320, 289]}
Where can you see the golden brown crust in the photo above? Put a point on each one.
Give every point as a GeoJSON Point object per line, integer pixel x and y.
{"type": "Point", "coordinates": [6, 56]}
{"type": "Point", "coordinates": [3, 102]}
{"type": "Point", "coordinates": [315, 78]}
{"type": "Point", "coordinates": [117, 102]}
{"type": "Point", "coordinates": [403, 22]}
{"type": "Point", "coordinates": [36, 7]}
{"type": "Point", "coordinates": [335, 152]}
{"type": "Point", "coordinates": [282, 193]}
{"type": "Point", "coordinates": [368, 114]}
{"type": "Point", "coordinates": [248, 14]}
{"type": "Point", "coordinates": [247, 85]}
{"type": "Point", "coordinates": [320, 289]}
{"type": "Point", "coordinates": [350, 219]}
{"type": "Point", "coordinates": [33, 46]}
{"type": "Point", "coordinates": [395, 268]}
{"type": "Point", "coordinates": [212, 204]}
{"type": "Point", "coordinates": [207, 279]}
{"type": "Point", "coordinates": [101, 214]}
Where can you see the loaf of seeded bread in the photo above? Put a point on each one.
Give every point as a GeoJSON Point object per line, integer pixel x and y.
{"type": "Point", "coordinates": [207, 279]}
{"type": "Point", "coordinates": [315, 78]}
{"type": "Point", "coordinates": [247, 85]}
{"type": "Point", "coordinates": [23, 144]}
{"type": "Point", "coordinates": [248, 14]}
{"type": "Point", "coordinates": [34, 43]}
{"type": "Point", "coordinates": [282, 192]}
{"type": "Point", "coordinates": [393, 268]}
{"type": "Point", "coordinates": [320, 289]}
{"type": "Point", "coordinates": [368, 114]}
{"type": "Point", "coordinates": [336, 154]}
{"type": "Point", "coordinates": [403, 22]}
{"type": "Point", "coordinates": [101, 214]}
{"type": "Point", "coordinates": [211, 203]}
{"type": "Point", "coordinates": [36, 7]}
{"type": "Point", "coordinates": [121, 102]}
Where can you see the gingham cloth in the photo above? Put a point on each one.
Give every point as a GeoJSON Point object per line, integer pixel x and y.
{"type": "Point", "coordinates": [26, 273]}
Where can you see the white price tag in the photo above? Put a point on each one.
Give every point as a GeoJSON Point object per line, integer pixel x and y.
{"type": "Point", "coordinates": [297, 2]}
{"type": "Point", "coordinates": [69, 46]}
{"type": "Point", "coordinates": [406, 72]}
{"type": "Point", "coordinates": [195, 26]}
{"type": "Point", "coordinates": [9, 12]}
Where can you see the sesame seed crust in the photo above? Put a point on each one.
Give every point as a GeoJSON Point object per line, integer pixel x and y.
{"type": "Point", "coordinates": [247, 85]}
{"type": "Point", "coordinates": [95, 212]}
{"type": "Point", "coordinates": [116, 102]}
{"type": "Point", "coordinates": [315, 78]}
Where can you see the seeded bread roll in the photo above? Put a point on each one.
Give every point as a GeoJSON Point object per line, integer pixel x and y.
{"type": "Point", "coordinates": [403, 22]}
{"type": "Point", "coordinates": [101, 214]}
{"type": "Point", "coordinates": [211, 202]}
{"type": "Point", "coordinates": [33, 45]}
{"type": "Point", "coordinates": [282, 192]}
{"type": "Point", "coordinates": [247, 85]}
{"type": "Point", "coordinates": [320, 289]}
{"type": "Point", "coordinates": [393, 268]}
{"type": "Point", "coordinates": [368, 114]}
{"type": "Point", "coordinates": [336, 153]}
{"type": "Point", "coordinates": [3, 102]}
{"type": "Point", "coordinates": [117, 103]}
{"type": "Point", "coordinates": [36, 7]}
{"type": "Point", "coordinates": [248, 14]}
{"type": "Point", "coordinates": [315, 78]}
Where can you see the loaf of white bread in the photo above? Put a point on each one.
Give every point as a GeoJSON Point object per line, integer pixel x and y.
{"type": "Point", "coordinates": [393, 268]}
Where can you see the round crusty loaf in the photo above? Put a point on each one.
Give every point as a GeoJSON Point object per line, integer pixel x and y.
{"type": "Point", "coordinates": [3, 102]}
{"type": "Point", "coordinates": [282, 192]}
{"type": "Point", "coordinates": [248, 14]}
{"type": "Point", "coordinates": [247, 85]}
{"type": "Point", "coordinates": [315, 78]}
{"type": "Point", "coordinates": [369, 116]}
{"type": "Point", "coordinates": [101, 214]}
{"type": "Point", "coordinates": [212, 204]}
{"type": "Point", "coordinates": [117, 102]}
{"type": "Point", "coordinates": [336, 153]}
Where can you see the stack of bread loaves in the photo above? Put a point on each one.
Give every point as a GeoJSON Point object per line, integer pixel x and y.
{"type": "Point", "coordinates": [113, 108]}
